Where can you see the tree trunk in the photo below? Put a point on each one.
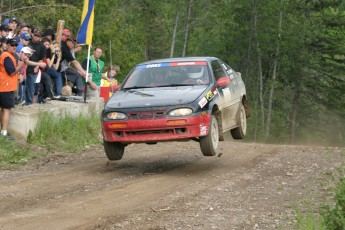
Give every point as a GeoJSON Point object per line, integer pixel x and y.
{"type": "Point", "coordinates": [274, 76]}
{"type": "Point", "coordinates": [174, 36]}
{"type": "Point", "coordinates": [187, 28]}
{"type": "Point", "coordinates": [294, 110]}
{"type": "Point", "coordinates": [261, 81]}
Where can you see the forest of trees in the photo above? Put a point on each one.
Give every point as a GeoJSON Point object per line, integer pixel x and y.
{"type": "Point", "coordinates": [291, 53]}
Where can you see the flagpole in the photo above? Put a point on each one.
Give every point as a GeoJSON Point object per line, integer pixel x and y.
{"type": "Point", "coordinates": [87, 72]}
{"type": "Point", "coordinates": [111, 60]}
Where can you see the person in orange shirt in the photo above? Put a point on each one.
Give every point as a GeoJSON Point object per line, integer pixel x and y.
{"type": "Point", "coordinates": [9, 78]}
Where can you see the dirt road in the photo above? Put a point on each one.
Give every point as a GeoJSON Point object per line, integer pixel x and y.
{"type": "Point", "coordinates": [170, 186]}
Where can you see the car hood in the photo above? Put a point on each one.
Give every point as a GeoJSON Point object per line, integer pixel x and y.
{"type": "Point", "coordinates": [155, 97]}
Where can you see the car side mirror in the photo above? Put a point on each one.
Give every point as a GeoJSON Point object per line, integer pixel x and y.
{"type": "Point", "coordinates": [223, 82]}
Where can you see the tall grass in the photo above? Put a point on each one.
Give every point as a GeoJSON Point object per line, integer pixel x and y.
{"type": "Point", "coordinates": [66, 134]}
{"type": "Point", "coordinates": [52, 134]}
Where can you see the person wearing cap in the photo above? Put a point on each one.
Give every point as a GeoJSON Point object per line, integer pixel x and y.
{"type": "Point", "coordinates": [4, 30]}
{"type": "Point", "coordinates": [24, 40]}
{"type": "Point", "coordinates": [12, 25]}
{"type": "Point", "coordinates": [50, 35]}
{"type": "Point", "coordinates": [75, 74]}
{"type": "Point", "coordinates": [6, 21]}
{"type": "Point", "coordinates": [33, 68]}
{"type": "Point", "coordinates": [20, 99]}
{"type": "Point", "coordinates": [9, 82]}
{"type": "Point", "coordinates": [65, 34]}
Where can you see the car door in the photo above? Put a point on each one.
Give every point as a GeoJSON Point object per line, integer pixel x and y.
{"type": "Point", "coordinates": [226, 96]}
{"type": "Point", "coordinates": [235, 84]}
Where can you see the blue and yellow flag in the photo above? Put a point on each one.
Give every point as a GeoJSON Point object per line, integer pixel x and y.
{"type": "Point", "coordinates": [84, 36]}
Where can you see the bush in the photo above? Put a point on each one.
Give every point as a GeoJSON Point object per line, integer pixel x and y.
{"type": "Point", "coordinates": [335, 217]}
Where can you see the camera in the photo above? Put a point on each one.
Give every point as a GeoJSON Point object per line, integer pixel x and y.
{"type": "Point", "coordinates": [56, 52]}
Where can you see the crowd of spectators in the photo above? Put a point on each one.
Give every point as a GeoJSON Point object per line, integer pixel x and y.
{"type": "Point", "coordinates": [34, 68]}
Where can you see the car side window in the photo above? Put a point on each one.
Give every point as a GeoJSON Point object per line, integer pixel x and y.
{"type": "Point", "coordinates": [217, 69]}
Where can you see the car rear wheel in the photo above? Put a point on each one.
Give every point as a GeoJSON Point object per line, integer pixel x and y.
{"type": "Point", "coordinates": [209, 143]}
{"type": "Point", "coordinates": [241, 130]}
{"type": "Point", "coordinates": [113, 150]}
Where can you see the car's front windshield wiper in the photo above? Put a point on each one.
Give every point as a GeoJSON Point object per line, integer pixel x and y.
{"type": "Point", "coordinates": [137, 87]}
{"type": "Point", "coordinates": [173, 85]}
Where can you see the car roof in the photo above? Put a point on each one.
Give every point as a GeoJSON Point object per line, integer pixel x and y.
{"type": "Point", "coordinates": [179, 59]}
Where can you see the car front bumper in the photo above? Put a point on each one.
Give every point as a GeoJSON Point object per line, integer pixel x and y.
{"type": "Point", "coordinates": [155, 130]}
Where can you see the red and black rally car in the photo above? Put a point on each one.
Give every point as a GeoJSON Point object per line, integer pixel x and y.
{"type": "Point", "coordinates": [176, 99]}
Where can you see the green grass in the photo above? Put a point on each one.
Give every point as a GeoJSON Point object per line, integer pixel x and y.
{"type": "Point", "coordinates": [52, 134]}
{"type": "Point", "coordinates": [309, 221]}
{"type": "Point", "coordinates": [329, 217]}
{"type": "Point", "coordinates": [14, 153]}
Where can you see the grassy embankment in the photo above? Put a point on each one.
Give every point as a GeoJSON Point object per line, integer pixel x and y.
{"type": "Point", "coordinates": [52, 134]}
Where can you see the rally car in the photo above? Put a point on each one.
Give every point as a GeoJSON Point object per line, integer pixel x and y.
{"type": "Point", "coordinates": [176, 99]}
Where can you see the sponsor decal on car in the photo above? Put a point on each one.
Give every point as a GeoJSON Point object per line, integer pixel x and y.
{"type": "Point", "coordinates": [188, 63]}
{"type": "Point", "coordinates": [203, 130]}
{"type": "Point", "coordinates": [208, 97]}
{"type": "Point", "coordinates": [202, 102]}
{"type": "Point", "coordinates": [166, 64]}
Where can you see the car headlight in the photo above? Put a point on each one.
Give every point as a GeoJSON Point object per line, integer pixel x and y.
{"type": "Point", "coordinates": [116, 116]}
{"type": "Point", "coordinates": [180, 112]}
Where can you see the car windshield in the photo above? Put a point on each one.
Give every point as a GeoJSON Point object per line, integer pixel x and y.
{"type": "Point", "coordinates": [168, 75]}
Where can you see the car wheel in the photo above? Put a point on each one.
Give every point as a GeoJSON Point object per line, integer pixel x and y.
{"type": "Point", "coordinates": [209, 143]}
{"type": "Point", "coordinates": [113, 150]}
{"type": "Point", "coordinates": [241, 130]}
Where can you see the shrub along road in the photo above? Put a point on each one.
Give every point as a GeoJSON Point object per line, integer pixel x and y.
{"type": "Point", "coordinates": [171, 186]}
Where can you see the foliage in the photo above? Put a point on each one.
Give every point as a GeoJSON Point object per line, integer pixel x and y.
{"type": "Point", "coordinates": [309, 221]}
{"type": "Point", "coordinates": [306, 54]}
{"type": "Point", "coordinates": [52, 134]}
{"type": "Point", "coordinates": [66, 134]}
{"type": "Point", "coordinates": [13, 153]}
{"type": "Point", "coordinates": [335, 217]}
{"type": "Point", "coordinates": [330, 217]}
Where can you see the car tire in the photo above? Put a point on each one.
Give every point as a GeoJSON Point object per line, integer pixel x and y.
{"type": "Point", "coordinates": [113, 150]}
{"type": "Point", "coordinates": [241, 130]}
{"type": "Point", "coordinates": [209, 143]}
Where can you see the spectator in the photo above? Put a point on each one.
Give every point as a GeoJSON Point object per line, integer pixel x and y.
{"type": "Point", "coordinates": [65, 34]}
{"type": "Point", "coordinates": [6, 21]}
{"type": "Point", "coordinates": [23, 28]}
{"type": "Point", "coordinates": [110, 75]}
{"type": "Point", "coordinates": [12, 25]}
{"type": "Point", "coordinates": [50, 35]}
{"type": "Point", "coordinates": [3, 46]}
{"type": "Point", "coordinates": [20, 99]}
{"type": "Point", "coordinates": [9, 82]}
{"type": "Point", "coordinates": [4, 30]}
{"type": "Point", "coordinates": [53, 58]}
{"type": "Point", "coordinates": [31, 28]}
{"type": "Point", "coordinates": [73, 75]}
{"type": "Point", "coordinates": [109, 80]}
{"type": "Point", "coordinates": [24, 40]}
{"type": "Point", "coordinates": [33, 68]}
{"type": "Point", "coordinates": [96, 66]}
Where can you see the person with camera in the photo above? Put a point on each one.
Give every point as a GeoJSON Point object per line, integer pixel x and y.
{"type": "Point", "coordinates": [53, 58]}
